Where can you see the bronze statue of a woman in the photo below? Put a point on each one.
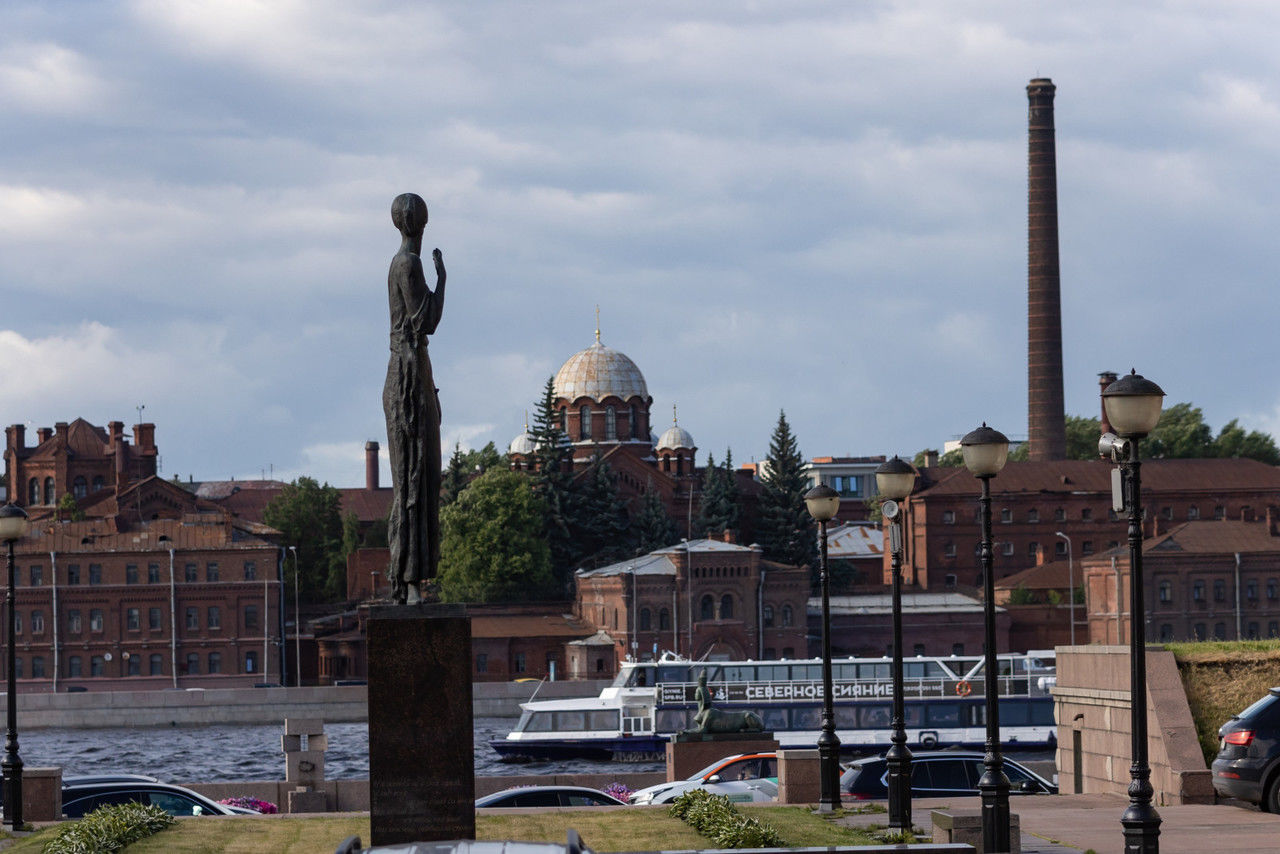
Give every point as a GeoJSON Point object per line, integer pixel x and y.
{"type": "Point", "coordinates": [412, 407]}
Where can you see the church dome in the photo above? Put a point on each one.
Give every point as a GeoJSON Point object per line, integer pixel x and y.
{"type": "Point", "coordinates": [599, 372]}
{"type": "Point", "coordinates": [523, 444]}
{"type": "Point", "coordinates": [675, 437]}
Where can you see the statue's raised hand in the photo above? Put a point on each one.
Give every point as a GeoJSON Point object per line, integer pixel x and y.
{"type": "Point", "coordinates": [439, 260]}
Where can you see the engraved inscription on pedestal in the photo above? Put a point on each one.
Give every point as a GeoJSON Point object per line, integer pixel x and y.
{"type": "Point", "coordinates": [421, 755]}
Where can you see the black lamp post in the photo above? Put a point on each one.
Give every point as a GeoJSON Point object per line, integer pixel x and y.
{"type": "Point", "coordinates": [823, 503]}
{"type": "Point", "coordinates": [985, 453]}
{"type": "Point", "coordinates": [13, 524]}
{"type": "Point", "coordinates": [894, 480]}
{"type": "Point", "coordinates": [1133, 407]}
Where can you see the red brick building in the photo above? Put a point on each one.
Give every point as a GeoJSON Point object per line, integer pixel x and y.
{"type": "Point", "coordinates": [702, 599]}
{"type": "Point", "coordinates": [153, 588]}
{"type": "Point", "coordinates": [1203, 580]}
{"type": "Point", "coordinates": [932, 624]}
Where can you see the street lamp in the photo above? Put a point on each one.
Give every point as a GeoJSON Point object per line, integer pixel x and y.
{"type": "Point", "coordinates": [1133, 407]}
{"type": "Point", "coordinates": [985, 452]}
{"type": "Point", "coordinates": [297, 623]}
{"type": "Point", "coordinates": [894, 480]}
{"type": "Point", "coordinates": [1071, 584]}
{"type": "Point", "coordinates": [823, 503]}
{"type": "Point", "coordinates": [13, 524]}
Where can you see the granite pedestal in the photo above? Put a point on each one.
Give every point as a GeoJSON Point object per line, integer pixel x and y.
{"type": "Point", "coordinates": [421, 758]}
{"type": "Point", "coordinates": [687, 754]}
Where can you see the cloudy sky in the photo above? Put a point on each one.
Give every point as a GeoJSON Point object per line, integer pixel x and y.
{"type": "Point", "coordinates": [815, 207]}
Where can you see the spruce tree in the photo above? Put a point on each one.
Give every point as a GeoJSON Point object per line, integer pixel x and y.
{"type": "Point", "coordinates": [455, 478]}
{"type": "Point", "coordinates": [598, 519]}
{"type": "Point", "coordinates": [719, 510]}
{"type": "Point", "coordinates": [552, 482]}
{"type": "Point", "coordinates": [786, 531]}
{"type": "Point", "coordinates": [652, 528]}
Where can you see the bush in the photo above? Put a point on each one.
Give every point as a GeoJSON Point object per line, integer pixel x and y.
{"type": "Point", "coordinates": [108, 829]}
{"type": "Point", "coordinates": [621, 791]}
{"type": "Point", "coordinates": [715, 817]}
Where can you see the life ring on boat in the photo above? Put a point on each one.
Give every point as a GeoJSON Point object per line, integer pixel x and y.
{"type": "Point", "coordinates": [963, 688]}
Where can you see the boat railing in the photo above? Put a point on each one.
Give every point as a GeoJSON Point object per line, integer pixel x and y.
{"type": "Point", "coordinates": [677, 693]}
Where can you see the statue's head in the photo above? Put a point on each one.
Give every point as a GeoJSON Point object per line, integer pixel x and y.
{"type": "Point", "coordinates": [702, 678]}
{"type": "Point", "coordinates": [409, 213]}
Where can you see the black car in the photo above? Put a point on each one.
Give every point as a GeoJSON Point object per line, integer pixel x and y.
{"type": "Point", "coordinates": [942, 774]}
{"type": "Point", "coordinates": [81, 796]}
{"type": "Point", "coordinates": [1248, 763]}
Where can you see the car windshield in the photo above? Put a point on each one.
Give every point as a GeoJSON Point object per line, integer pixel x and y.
{"type": "Point", "coordinates": [713, 766]}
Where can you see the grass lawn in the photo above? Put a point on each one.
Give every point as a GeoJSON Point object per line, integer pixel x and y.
{"type": "Point", "coordinates": [602, 830]}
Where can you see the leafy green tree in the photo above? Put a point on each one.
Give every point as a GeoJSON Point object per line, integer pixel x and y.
{"type": "Point", "coordinates": [652, 528]}
{"type": "Point", "coordinates": [68, 509]}
{"type": "Point", "coordinates": [308, 516]}
{"type": "Point", "coordinates": [1233, 441]}
{"type": "Point", "coordinates": [785, 529]}
{"type": "Point", "coordinates": [492, 546]}
{"type": "Point", "coordinates": [950, 458]}
{"type": "Point", "coordinates": [1020, 595]}
{"type": "Point", "coordinates": [1181, 434]}
{"type": "Point", "coordinates": [1082, 437]}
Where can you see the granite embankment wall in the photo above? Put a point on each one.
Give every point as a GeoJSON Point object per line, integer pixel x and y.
{"type": "Point", "coordinates": [347, 703]}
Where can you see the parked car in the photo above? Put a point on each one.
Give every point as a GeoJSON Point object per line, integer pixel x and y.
{"type": "Point", "coordinates": [80, 798]}
{"type": "Point", "coordinates": [549, 796]}
{"type": "Point", "coordinates": [939, 774]}
{"type": "Point", "coordinates": [1248, 763]}
{"type": "Point", "coordinates": [733, 776]}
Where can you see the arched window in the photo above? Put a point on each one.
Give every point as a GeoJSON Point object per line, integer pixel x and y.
{"type": "Point", "coordinates": [645, 620]}
{"type": "Point", "coordinates": [610, 423]}
{"type": "Point", "coordinates": [768, 616]}
{"type": "Point", "coordinates": [564, 421]}
{"type": "Point", "coordinates": [708, 609]}
{"type": "Point", "coordinates": [786, 615]}
{"type": "Point", "coordinates": [664, 620]}
{"type": "Point", "coordinates": [584, 423]}
{"type": "Point", "coordinates": [632, 422]}
{"type": "Point", "coordinates": [33, 491]}
{"type": "Point", "coordinates": [726, 607]}
{"type": "Point", "coordinates": [98, 482]}
{"type": "Point", "coordinates": [79, 488]}
{"type": "Point", "coordinates": [49, 497]}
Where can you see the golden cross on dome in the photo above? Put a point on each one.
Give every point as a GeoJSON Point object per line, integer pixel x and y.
{"type": "Point", "coordinates": [597, 322]}
{"type": "Point", "coordinates": [674, 419]}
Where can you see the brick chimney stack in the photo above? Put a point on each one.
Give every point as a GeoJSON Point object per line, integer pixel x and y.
{"type": "Point", "coordinates": [370, 465]}
{"type": "Point", "coordinates": [1046, 413]}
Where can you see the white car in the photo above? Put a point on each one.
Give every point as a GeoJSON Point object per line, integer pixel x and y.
{"type": "Point", "coordinates": [743, 778]}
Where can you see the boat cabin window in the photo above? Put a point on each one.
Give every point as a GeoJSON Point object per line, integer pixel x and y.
{"type": "Point", "coordinates": [675, 673]}
{"type": "Point", "coordinates": [923, 670]}
{"type": "Point", "coordinates": [807, 671]}
{"type": "Point", "coordinates": [739, 672]}
{"type": "Point", "coordinates": [873, 671]}
{"type": "Point", "coordinates": [773, 672]}
{"type": "Point", "coordinates": [640, 677]}
{"type": "Point", "coordinates": [569, 721]}
{"type": "Point", "coordinates": [673, 720]}
{"type": "Point", "coordinates": [943, 714]}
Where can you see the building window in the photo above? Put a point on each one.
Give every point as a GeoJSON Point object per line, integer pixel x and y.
{"type": "Point", "coordinates": [482, 662]}
{"type": "Point", "coordinates": [1033, 515]}
{"type": "Point", "coordinates": [251, 616]}
{"type": "Point", "coordinates": [250, 571]}
{"type": "Point", "coordinates": [213, 619]}
{"type": "Point", "coordinates": [950, 580]}
{"type": "Point", "coordinates": [135, 664]}
{"type": "Point", "coordinates": [155, 665]}
{"type": "Point", "coordinates": [73, 573]}
{"type": "Point", "coordinates": [193, 618]}
{"type": "Point", "coordinates": [1219, 631]}
{"type": "Point", "coordinates": [215, 662]}
{"type": "Point", "coordinates": [193, 663]}
{"type": "Point", "coordinates": [1251, 591]}
{"type": "Point", "coordinates": [37, 622]}
{"type": "Point", "coordinates": [1059, 515]}
{"type": "Point", "coordinates": [1086, 548]}
{"type": "Point", "coordinates": [787, 616]}
{"type": "Point", "coordinates": [153, 573]}
{"type": "Point", "coordinates": [33, 492]}
{"type": "Point", "coordinates": [949, 550]}
{"type": "Point", "coordinates": [726, 607]}
{"type": "Point", "coordinates": [1166, 513]}
{"type": "Point", "coordinates": [17, 622]}
{"type": "Point", "coordinates": [1060, 548]}
{"type": "Point", "coordinates": [768, 616]}
{"type": "Point", "coordinates": [98, 482]}
{"type": "Point", "coordinates": [251, 661]}
{"type": "Point", "coordinates": [518, 664]}
{"type": "Point", "coordinates": [645, 619]}
{"type": "Point", "coordinates": [37, 667]}
{"type": "Point", "coordinates": [73, 666]}
{"type": "Point", "coordinates": [130, 573]}
{"type": "Point", "coordinates": [17, 668]}
{"type": "Point", "coordinates": [1166, 591]}
{"type": "Point", "coordinates": [1197, 591]}
{"type": "Point", "coordinates": [948, 517]}
{"type": "Point", "coordinates": [1033, 550]}
{"type": "Point", "coordinates": [1193, 512]}
{"type": "Point", "coordinates": [37, 575]}
{"type": "Point", "coordinates": [133, 619]}
{"type": "Point", "coordinates": [79, 488]}
{"type": "Point", "coordinates": [1219, 512]}
{"type": "Point", "coordinates": [95, 620]}
{"type": "Point", "coordinates": [95, 573]}
{"type": "Point", "coordinates": [211, 571]}
{"type": "Point", "coordinates": [706, 607]}
{"type": "Point", "coordinates": [1166, 632]}
{"type": "Point", "coordinates": [1198, 632]}
{"type": "Point", "coordinates": [73, 621]}
{"type": "Point", "coordinates": [1006, 549]}
{"type": "Point", "coordinates": [1271, 588]}
{"type": "Point", "coordinates": [664, 620]}
{"type": "Point", "coordinates": [190, 573]}
{"type": "Point", "coordinates": [50, 495]}
{"type": "Point", "coordinates": [1273, 629]}
{"type": "Point", "coordinates": [1086, 514]}
{"type": "Point", "coordinates": [153, 619]}
{"type": "Point", "coordinates": [610, 423]}
{"type": "Point", "coordinates": [615, 618]}
{"type": "Point", "coordinates": [1219, 590]}
{"type": "Point", "coordinates": [1253, 631]}
{"type": "Point", "coordinates": [95, 665]}
{"type": "Point", "coordinates": [1006, 515]}
{"type": "Point", "coordinates": [584, 423]}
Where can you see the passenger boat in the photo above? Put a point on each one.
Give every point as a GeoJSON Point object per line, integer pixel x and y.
{"type": "Point", "coordinates": [650, 701]}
